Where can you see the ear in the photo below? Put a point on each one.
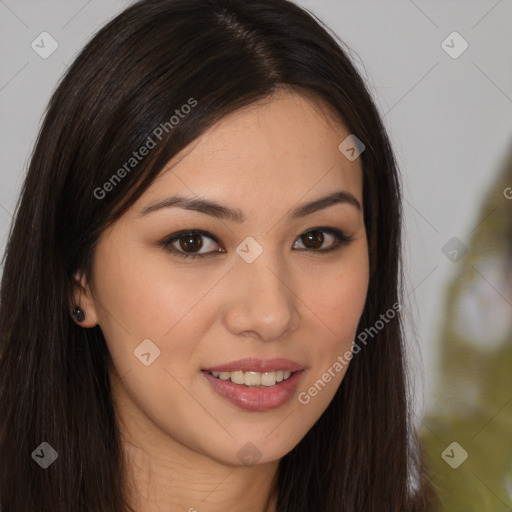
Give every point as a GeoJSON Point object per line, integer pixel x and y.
{"type": "Point", "coordinates": [83, 298]}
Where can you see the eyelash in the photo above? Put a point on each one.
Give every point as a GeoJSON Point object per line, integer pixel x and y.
{"type": "Point", "coordinates": [341, 240]}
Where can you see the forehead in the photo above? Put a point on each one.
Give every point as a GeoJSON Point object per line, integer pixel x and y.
{"type": "Point", "coordinates": [283, 146]}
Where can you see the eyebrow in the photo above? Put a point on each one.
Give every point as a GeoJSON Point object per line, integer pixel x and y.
{"type": "Point", "coordinates": [236, 215]}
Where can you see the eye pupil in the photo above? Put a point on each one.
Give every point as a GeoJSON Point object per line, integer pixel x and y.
{"type": "Point", "coordinates": [188, 242]}
{"type": "Point", "coordinates": [315, 237]}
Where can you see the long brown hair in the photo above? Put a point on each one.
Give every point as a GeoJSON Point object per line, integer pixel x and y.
{"type": "Point", "coordinates": [129, 79]}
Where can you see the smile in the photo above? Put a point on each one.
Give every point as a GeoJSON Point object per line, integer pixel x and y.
{"type": "Point", "coordinates": [255, 384]}
{"type": "Point", "coordinates": [254, 379]}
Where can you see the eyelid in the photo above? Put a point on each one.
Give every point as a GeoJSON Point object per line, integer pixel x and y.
{"type": "Point", "coordinates": [341, 240]}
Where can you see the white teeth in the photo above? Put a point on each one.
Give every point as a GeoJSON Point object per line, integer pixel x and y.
{"type": "Point", "coordinates": [238, 377]}
{"type": "Point", "coordinates": [268, 378]}
{"type": "Point", "coordinates": [254, 378]}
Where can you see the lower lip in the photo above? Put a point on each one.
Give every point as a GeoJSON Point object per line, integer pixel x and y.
{"type": "Point", "coordinates": [256, 399]}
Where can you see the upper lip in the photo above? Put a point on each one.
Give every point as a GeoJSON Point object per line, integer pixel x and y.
{"type": "Point", "coordinates": [257, 365]}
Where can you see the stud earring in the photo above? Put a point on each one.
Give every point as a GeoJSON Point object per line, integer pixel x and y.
{"type": "Point", "coordinates": [79, 314]}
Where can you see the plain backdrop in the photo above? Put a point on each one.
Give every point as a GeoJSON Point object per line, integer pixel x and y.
{"type": "Point", "coordinates": [449, 117]}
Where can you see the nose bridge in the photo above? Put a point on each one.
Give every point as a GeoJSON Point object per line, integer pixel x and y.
{"type": "Point", "coordinates": [263, 298]}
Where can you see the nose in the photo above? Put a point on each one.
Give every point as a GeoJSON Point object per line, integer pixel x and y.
{"type": "Point", "coordinates": [262, 302]}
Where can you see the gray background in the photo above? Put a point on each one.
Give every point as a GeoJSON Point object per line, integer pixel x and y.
{"type": "Point", "coordinates": [450, 120]}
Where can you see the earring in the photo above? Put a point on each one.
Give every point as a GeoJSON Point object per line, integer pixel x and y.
{"type": "Point", "coordinates": [79, 314]}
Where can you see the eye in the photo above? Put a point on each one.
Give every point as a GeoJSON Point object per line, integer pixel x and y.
{"type": "Point", "coordinates": [188, 244]}
{"type": "Point", "coordinates": [190, 241]}
{"type": "Point", "coordinates": [314, 238]}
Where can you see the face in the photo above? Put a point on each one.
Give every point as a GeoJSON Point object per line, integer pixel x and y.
{"type": "Point", "coordinates": [227, 323]}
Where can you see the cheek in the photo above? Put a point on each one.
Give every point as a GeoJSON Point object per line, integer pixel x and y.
{"type": "Point", "coordinates": [152, 303]}
{"type": "Point", "coordinates": [341, 303]}
{"type": "Point", "coordinates": [338, 306]}
{"type": "Point", "coordinates": [340, 300]}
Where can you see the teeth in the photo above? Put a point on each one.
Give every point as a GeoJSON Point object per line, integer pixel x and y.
{"type": "Point", "coordinates": [237, 377]}
{"type": "Point", "coordinates": [268, 379]}
{"type": "Point", "coordinates": [254, 379]}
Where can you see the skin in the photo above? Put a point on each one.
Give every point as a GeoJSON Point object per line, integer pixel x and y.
{"type": "Point", "coordinates": [180, 438]}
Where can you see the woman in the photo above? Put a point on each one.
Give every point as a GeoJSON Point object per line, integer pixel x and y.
{"type": "Point", "coordinates": [200, 301]}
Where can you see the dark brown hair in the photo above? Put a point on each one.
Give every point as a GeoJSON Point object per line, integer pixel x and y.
{"type": "Point", "coordinates": [147, 62]}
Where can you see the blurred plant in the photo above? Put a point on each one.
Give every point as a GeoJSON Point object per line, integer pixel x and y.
{"type": "Point", "coordinates": [474, 396]}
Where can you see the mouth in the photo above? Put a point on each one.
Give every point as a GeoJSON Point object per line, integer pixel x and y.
{"type": "Point", "coordinates": [255, 384]}
{"type": "Point", "coordinates": [253, 379]}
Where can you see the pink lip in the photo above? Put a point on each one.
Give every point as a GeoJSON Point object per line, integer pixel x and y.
{"type": "Point", "coordinates": [255, 399]}
{"type": "Point", "coordinates": [257, 365]}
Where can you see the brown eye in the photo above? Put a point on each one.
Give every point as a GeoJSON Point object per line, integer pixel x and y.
{"type": "Point", "coordinates": [187, 244]}
{"type": "Point", "coordinates": [313, 239]}
{"type": "Point", "coordinates": [191, 242]}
